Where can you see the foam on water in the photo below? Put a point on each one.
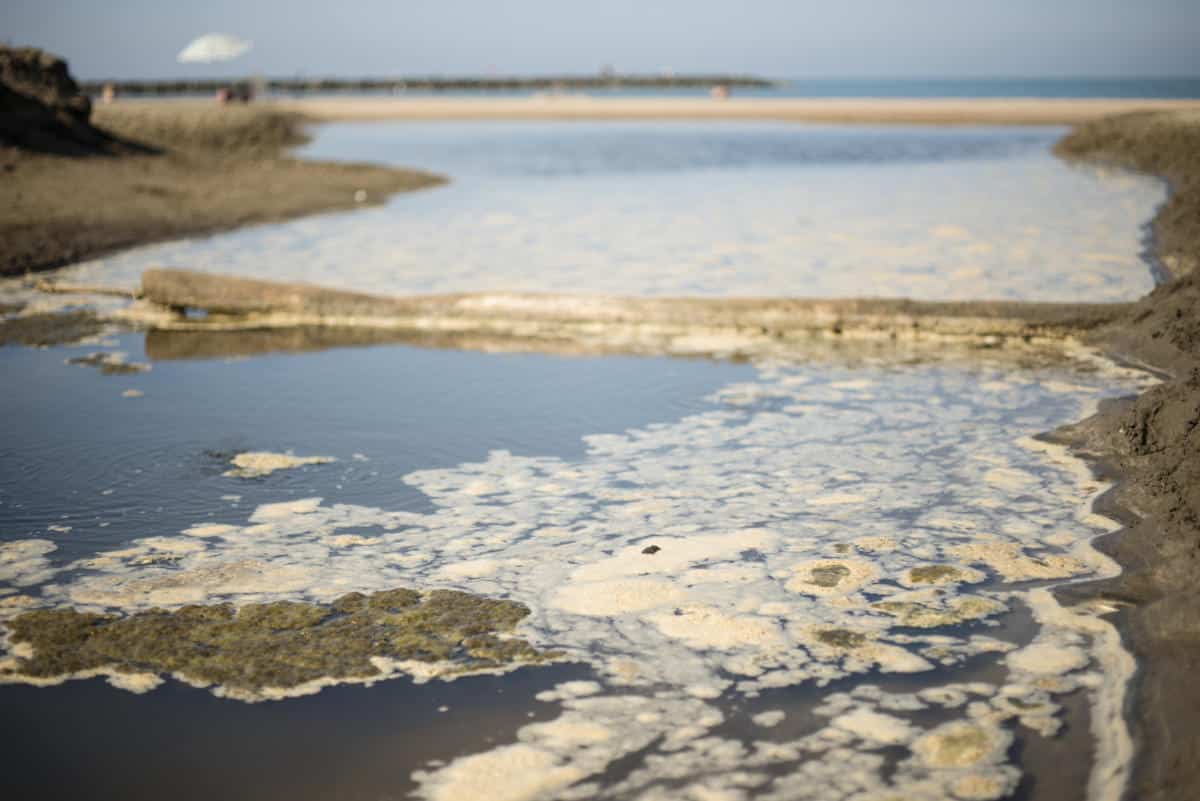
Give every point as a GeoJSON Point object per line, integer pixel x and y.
{"type": "Point", "coordinates": [815, 524]}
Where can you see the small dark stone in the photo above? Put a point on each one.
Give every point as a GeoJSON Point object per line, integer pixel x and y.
{"type": "Point", "coordinates": [651, 549]}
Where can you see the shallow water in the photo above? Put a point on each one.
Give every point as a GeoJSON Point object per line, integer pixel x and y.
{"type": "Point", "coordinates": [714, 209]}
{"type": "Point", "coordinates": [824, 579]}
{"type": "Point", "coordinates": [761, 651]}
{"type": "Point", "coordinates": [78, 454]}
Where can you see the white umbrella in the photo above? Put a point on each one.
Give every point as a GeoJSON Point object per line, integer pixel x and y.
{"type": "Point", "coordinates": [213, 47]}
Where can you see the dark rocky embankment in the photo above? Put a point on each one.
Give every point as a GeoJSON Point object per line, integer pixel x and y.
{"type": "Point", "coordinates": [42, 109]}
{"type": "Point", "coordinates": [79, 182]}
{"type": "Point", "coordinates": [1153, 444]}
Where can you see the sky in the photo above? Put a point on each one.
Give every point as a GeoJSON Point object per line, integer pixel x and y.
{"type": "Point", "coordinates": [775, 38]}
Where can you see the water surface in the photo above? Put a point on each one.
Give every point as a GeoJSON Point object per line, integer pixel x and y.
{"type": "Point", "coordinates": [785, 631]}
{"type": "Point", "coordinates": [718, 209]}
{"type": "Point", "coordinates": [826, 578]}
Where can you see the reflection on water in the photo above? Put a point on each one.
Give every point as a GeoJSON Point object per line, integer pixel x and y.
{"type": "Point", "coordinates": [713, 209]}
{"type": "Point", "coordinates": [79, 454]}
{"type": "Point", "coordinates": [87, 740]}
{"type": "Point", "coordinates": [824, 528]}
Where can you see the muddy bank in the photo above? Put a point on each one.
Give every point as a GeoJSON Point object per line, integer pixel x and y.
{"type": "Point", "coordinates": [1152, 444]}
{"type": "Point", "coordinates": [220, 168]}
{"type": "Point", "coordinates": [597, 324]}
{"type": "Point", "coordinates": [78, 183]}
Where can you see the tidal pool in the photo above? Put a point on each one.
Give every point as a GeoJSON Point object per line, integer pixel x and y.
{"type": "Point", "coordinates": [748, 209]}
{"type": "Point", "coordinates": [828, 578]}
{"type": "Point", "coordinates": [821, 580]}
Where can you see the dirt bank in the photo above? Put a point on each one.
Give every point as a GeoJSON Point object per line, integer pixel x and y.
{"type": "Point", "coordinates": [595, 324]}
{"type": "Point", "coordinates": [220, 168]}
{"type": "Point", "coordinates": [1152, 444]}
{"type": "Point", "coordinates": [77, 182]}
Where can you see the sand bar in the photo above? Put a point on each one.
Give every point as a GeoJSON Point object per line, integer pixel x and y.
{"type": "Point", "coordinates": [951, 111]}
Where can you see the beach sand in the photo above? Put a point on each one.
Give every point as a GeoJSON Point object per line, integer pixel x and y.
{"type": "Point", "coordinates": [980, 111]}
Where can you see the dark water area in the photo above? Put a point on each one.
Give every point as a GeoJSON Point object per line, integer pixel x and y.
{"type": "Point", "coordinates": [75, 452]}
{"type": "Point", "coordinates": [87, 740]}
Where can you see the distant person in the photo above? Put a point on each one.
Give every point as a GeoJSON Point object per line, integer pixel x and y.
{"type": "Point", "coordinates": [720, 91]}
{"type": "Point", "coordinates": [223, 95]}
{"type": "Point", "coordinates": [108, 94]}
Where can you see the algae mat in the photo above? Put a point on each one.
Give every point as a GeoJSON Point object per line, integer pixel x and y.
{"type": "Point", "coordinates": [282, 645]}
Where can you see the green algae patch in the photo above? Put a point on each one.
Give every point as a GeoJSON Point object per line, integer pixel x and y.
{"type": "Point", "coordinates": [277, 645]}
{"type": "Point", "coordinates": [925, 616]}
{"type": "Point", "coordinates": [841, 638]}
{"type": "Point", "coordinates": [960, 744]}
{"type": "Point", "coordinates": [828, 575]}
{"type": "Point", "coordinates": [934, 574]}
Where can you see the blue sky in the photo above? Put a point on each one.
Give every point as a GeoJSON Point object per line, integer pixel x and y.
{"type": "Point", "coordinates": [780, 38]}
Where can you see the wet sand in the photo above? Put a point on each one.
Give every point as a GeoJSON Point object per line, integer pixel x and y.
{"type": "Point", "coordinates": [1151, 444]}
{"type": "Point", "coordinates": [596, 324]}
{"type": "Point", "coordinates": [981, 111]}
{"type": "Point", "coordinates": [216, 169]}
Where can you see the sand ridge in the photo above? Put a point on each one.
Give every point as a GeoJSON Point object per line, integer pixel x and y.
{"type": "Point", "coordinates": [974, 111]}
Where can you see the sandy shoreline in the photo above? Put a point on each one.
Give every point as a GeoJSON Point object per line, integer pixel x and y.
{"type": "Point", "coordinates": [981, 111]}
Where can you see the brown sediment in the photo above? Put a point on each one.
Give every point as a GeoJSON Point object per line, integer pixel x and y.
{"type": "Point", "coordinates": [1152, 442]}
{"type": "Point", "coordinates": [167, 344]}
{"type": "Point", "coordinates": [44, 329]}
{"type": "Point", "coordinates": [275, 645]}
{"type": "Point", "coordinates": [1152, 445]}
{"type": "Point", "coordinates": [109, 363]}
{"type": "Point", "coordinates": [591, 324]}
